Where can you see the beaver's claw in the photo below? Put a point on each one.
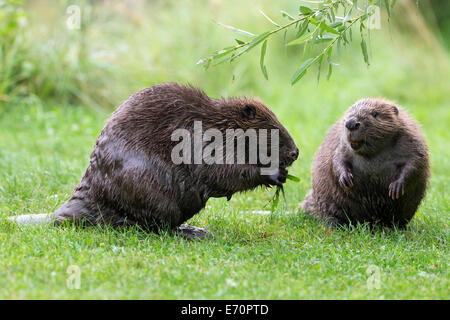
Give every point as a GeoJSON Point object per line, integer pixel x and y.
{"type": "Point", "coordinates": [396, 189]}
{"type": "Point", "coordinates": [346, 180]}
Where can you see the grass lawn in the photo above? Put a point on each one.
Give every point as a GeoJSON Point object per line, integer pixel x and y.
{"type": "Point", "coordinates": [45, 147]}
{"type": "Point", "coordinates": [44, 151]}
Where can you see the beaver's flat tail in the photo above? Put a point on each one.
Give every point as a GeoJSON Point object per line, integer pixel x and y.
{"type": "Point", "coordinates": [34, 219]}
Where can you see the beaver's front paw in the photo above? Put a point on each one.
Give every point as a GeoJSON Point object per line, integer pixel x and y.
{"type": "Point", "coordinates": [277, 179]}
{"type": "Point", "coordinates": [346, 180]}
{"type": "Point", "coordinates": [397, 189]}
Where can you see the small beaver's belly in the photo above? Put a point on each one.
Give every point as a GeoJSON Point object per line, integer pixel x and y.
{"type": "Point", "coordinates": [369, 201]}
{"type": "Point", "coordinates": [377, 170]}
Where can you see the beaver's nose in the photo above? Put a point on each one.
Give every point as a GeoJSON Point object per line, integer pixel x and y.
{"type": "Point", "coordinates": [294, 154]}
{"type": "Point", "coordinates": [352, 124]}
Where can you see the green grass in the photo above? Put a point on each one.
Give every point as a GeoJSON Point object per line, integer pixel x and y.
{"type": "Point", "coordinates": [45, 147]}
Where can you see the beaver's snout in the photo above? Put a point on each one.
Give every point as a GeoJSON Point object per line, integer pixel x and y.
{"type": "Point", "coordinates": [352, 124]}
{"type": "Point", "coordinates": [288, 156]}
{"type": "Point", "coordinates": [293, 155]}
{"type": "Point", "coordinates": [354, 133]}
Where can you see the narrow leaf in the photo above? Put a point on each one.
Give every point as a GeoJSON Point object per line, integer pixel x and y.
{"type": "Point", "coordinates": [258, 40]}
{"type": "Point", "coordinates": [286, 15]}
{"type": "Point", "coordinates": [292, 178]}
{"type": "Point", "coordinates": [301, 71]}
{"type": "Point", "coordinates": [320, 67]}
{"type": "Point", "coordinates": [364, 51]}
{"type": "Point", "coordinates": [313, 21]}
{"type": "Point", "coordinates": [335, 24]}
{"type": "Point", "coordinates": [388, 7]}
{"type": "Point", "coordinates": [329, 52]}
{"type": "Point", "coordinates": [302, 29]}
{"type": "Point", "coordinates": [270, 20]}
{"type": "Point", "coordinates": [393, 4]}
{"type": "Point", "coordinates": [261, 60]}
{"type": "Point", "coordinates": [347, 16]}
{"type": "Point", "coordinates": [305, 10]}
{"type": "Point", "coordinates": [252, 44]}
{"type": "Point", "coordinates": [243, 32]}
{"type": "Point", "coordinates": [330, 71]}
{"type": "Point", "coordinates": [323, 39]}
{"type": "Point", "coordinates": [327, 28]}
{"type": "Point", "coordinates": [223, 52]}
{"type": "Point", "coordinates": [275, 200]}
{"type": "Point", "coordinates": [301, 39]}
{"type": "Point", "coordinates": [305, 37]}
{"type": "Point", "coordinates": [329, 57]}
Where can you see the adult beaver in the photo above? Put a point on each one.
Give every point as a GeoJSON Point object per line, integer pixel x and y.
{"type": "Point", "coordinates": [132, 178]}
{"type": "Point", "coordinates": [372, 167]}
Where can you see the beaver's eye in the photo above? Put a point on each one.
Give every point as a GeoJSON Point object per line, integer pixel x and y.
{"type": "Point", "coordinates": [374, 114]}
{"type": "Point", "coordinates": [249, 112]}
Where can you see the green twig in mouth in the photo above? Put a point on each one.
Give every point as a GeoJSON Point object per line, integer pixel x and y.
{"type": "Point", "coordinates": [276, 197]}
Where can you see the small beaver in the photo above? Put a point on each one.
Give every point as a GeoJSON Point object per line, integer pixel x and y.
{"type": "Point", "coordinates": [372, 167]}
{"type": "Point", "coordinates": [132, 179]}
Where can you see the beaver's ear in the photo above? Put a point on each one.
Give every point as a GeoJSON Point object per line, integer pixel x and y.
{"type": "Point", "coordinates": [395, 110]}
{"type": "Point", "coordinates": [249, 112]}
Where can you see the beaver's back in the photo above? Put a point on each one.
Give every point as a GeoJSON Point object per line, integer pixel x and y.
{"type": "Point", "coordinates": [131, 177]}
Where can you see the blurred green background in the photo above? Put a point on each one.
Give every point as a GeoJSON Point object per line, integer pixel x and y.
{"type": "Point", "coordinates": [58, 87]}
{"type": "Point", "coordinates": [122, 46]}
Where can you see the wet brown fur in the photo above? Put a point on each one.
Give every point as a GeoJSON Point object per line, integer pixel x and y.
{"type": "Point", "coordinates": [381, 182]}
{"type": "Point", "coordinates": [131, 178]}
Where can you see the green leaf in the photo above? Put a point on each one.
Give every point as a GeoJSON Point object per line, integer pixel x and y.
{"type": "Point", "coordinates": [292, 178]}
{"type": "Point", "coordinates": [270, 20]}
{"type": "Point", "coordinates": [339, 44]}
{"type": "Point", "coordinates": [344, 37]}
{"type": "Point", "coordinates": [203, 60]}
{"type": "Point", "coordinates": [257, 40]}
{"type": "Point", "coordinates": [327, 28]}
{"type": "Point", "coordinates": [323, 39]}
{"type": "Point", "coordinates": [239, 41]}
{"type": "Point", "coordinates": [313, 21]}
{"type": "Point", "coordinates": [306, 11]}
{"type": "Point", "coordinates": [252, 44]}
{"type": "Point", "coordinates": [302, 29]}
{"type": "Point", "coordinates": [364, 51]}
{"type": "Point", "coordinates": [304, 37]}
{"type": "Point", "coordinates": [347, 16]}
{"type": "Point", "coordinates": [223, 52]}
{"type": "Point", "coordinates": [261, 60]}
{"type": "Point", "coordinates": [320, 67]}
{"type": "Point", "coordinates": [388, 7]}
{"type": "Point", "coordinates": [335, 24]}
{"type": "Point", "coordinates": [329, 58]}
{"type": "Point", "coordinates": [330, 71]}
{"type": "Point", "coordinates": [301, 39]}
{"type": "Point", "coordinates": [286, 15]}
{"type": "Point", "coordinates": [301, 71]}
{"type": "Point", "coordinates": [332, 63]}
{"type": "Point", "coordinates": [243, 32]}
{"type": "Point", "coordinates": [393, 4]}
{"type": "Point", "coordinates": [276, 199]}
